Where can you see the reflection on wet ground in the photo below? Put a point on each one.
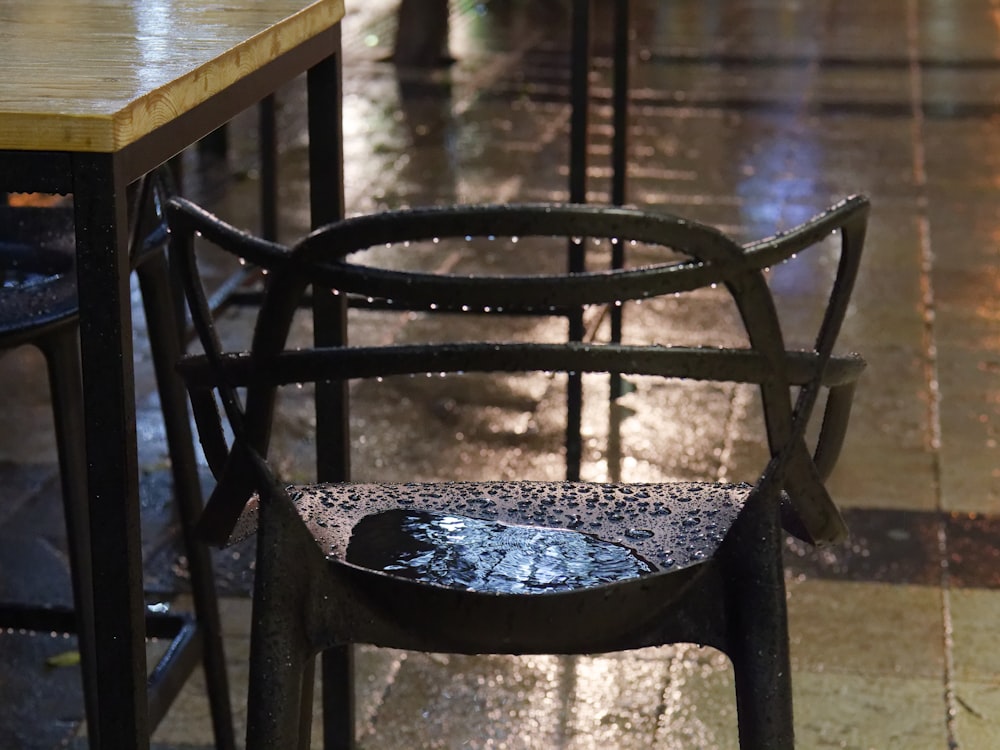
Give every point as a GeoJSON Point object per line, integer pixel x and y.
{"type": "Point", "coordinates": [751, 116]}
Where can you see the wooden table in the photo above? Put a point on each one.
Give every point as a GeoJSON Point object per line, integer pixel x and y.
{"type": "Point", "coordinates": [94, 94]}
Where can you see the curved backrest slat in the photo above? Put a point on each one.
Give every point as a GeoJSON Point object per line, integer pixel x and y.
{"type": "Point", "coordinates": [694, 256]}
{"type": "Point", "coordinates": [241, 370]}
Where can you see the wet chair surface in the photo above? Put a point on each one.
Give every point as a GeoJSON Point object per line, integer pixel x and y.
{"type": "Point", "coordinates": [523, 566]}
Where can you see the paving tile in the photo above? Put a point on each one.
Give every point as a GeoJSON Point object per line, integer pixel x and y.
{"type": "Point", "coordinates": [865, 712]}
{"type": "Point", "coordinates": [43, 707]}
{"type": "Point", "coordinates": [970, 428]}
{"type": "Point", "coordinates": [961, 159]}
{"type": "Point", "coordinates": [866, 629]}
{"type": "Point", "coordinates": [445, 701]}
{"type": "Point", "coordinates": [890, 547]}
{"type": "Point", "coordinates": [887, 460]}
{"type": "Point", "coordinates": [699, 702]}
{"type": "Point", "coordinates": [662, 698]}
{"type": "Point", "coordinates": [974, 614]}
{"type": "Point", "coordinates": [188, 723]}
{"type": "Point", "coordinates": [26, 404]}
{"type": "Point", "coordinates": [977, 714]}
{"type": "Point", "coordinates": [973, 544]}
{"type": "Point", "coordinates": [964, 228]}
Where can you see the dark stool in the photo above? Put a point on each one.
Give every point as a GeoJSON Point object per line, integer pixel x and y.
{"type": "Point", "coordinates": [38, 306]}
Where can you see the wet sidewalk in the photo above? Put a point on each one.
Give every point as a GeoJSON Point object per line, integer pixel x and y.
{"type": "Point", "coordinates": [751, 116]}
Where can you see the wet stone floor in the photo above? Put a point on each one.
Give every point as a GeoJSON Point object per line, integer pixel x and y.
{"type": "Point", "coordinates": [751, 116]}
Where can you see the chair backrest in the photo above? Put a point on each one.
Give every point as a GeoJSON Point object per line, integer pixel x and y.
{"type": "Point", "coordinates": [693, 257]}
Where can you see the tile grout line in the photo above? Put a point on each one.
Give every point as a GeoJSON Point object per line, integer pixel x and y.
{"type": "Point", "coordinates": [931, 361]}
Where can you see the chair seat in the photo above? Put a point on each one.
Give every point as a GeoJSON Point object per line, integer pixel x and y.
{"type": "Point", "coordinates": [519, 537]}
{"type": "Point", "coordinates": [36, 271]}
{"type": "Point", "coordinates": [33, 301]}
{"type": "Point", "coordinates": [471, 567]}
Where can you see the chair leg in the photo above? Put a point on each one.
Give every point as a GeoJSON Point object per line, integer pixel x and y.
{"type": "Point", "coordinates": [338, 698]}
{"type": "Point", "coordinates": [278, 667]}
{"type": "Point", "coordinates": [281, 657]}
{"type": "Point", "coordinates": [758, 641]}
{"type": "Point", "coordinates": [162, 324]}
{"type": "Point", "coordinates": [61, 351]}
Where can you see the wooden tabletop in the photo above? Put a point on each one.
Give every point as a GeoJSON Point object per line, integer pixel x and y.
{"type": "Point", "coordinates": [96, 75]}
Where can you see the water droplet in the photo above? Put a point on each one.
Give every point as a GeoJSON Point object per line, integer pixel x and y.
{"type": "Point", "coordinates": [639, 534]}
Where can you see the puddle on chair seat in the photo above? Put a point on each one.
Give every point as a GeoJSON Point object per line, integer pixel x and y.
{"type": "Point", "coordinates": [468, 553]}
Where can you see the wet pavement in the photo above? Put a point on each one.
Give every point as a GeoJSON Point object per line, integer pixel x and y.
{"type": "Point", "coordinates": [749, 115]}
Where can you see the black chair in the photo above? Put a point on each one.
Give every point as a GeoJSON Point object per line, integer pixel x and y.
{"type": "Point", "coordinates": [519, 566]}
{"type": "Point", "coordinates": [38, 306]}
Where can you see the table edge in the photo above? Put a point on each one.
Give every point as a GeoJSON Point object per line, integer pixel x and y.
{"type": "Point", "coordinates": [145, 114]}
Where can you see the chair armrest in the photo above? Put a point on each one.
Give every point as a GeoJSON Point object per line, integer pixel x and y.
{"type": "Point", "coordinates": [808, 511]}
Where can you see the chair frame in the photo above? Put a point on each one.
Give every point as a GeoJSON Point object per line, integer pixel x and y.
{"type": "Point", "coordinates": [734, 601]}
{"type": "Point", "coordinates": [57, 337]}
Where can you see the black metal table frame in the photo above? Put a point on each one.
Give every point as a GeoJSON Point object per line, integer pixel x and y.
{"type": "Point", "coordinates": [98, 182]}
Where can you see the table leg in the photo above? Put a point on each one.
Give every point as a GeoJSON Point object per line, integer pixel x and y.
{"type": "Point", "coordinates": [576, 260]}
{"type": "Point", "coordinates": [268, 136]}
{"type": "Point", "coordinates": [326, 204]}
{"type": "Point", "coordinates": [326, 191]}
{"type": "Point", "coordinates": [109, 409]}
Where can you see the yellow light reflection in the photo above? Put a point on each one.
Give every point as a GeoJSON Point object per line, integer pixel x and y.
{"type": "Point", "coordinates": [613, 699]}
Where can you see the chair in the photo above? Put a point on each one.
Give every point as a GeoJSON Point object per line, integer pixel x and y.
{"type": "Point", "coordinates": [38, 306]}
{"type": "Point", "coordinates": [417, 565]}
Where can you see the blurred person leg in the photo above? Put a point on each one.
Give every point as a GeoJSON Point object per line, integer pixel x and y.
{"type": "Point", "coordinates": [422, 34]}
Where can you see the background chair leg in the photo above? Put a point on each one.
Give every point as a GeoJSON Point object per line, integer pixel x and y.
{"type": "Point", "coordinates": [62, 355]}
{"type": "Point", "coordinates": [338, 698]}
{"type": "Point", "coordinates": [758, 640]}
{"type": "Point", "coordinates": [162, 324]}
